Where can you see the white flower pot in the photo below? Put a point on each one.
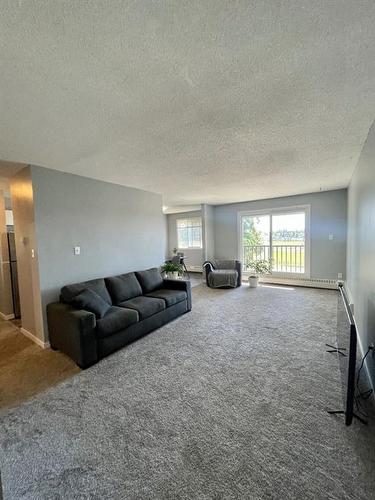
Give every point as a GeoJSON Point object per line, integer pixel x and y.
{"type": "Point", "coordinates": [175, 275]}
{"type": "Point", "coordinates": [253, 281]}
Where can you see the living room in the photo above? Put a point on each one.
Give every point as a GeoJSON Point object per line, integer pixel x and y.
{"type": "Point", "coordinates": [187, 201]}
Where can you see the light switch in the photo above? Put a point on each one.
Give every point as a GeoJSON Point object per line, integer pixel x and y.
{"type": "Point", "coordinates": [77, 250]}
{"type": "Point", "coordinates": [32, 253]}
{"type": "Point", "coordinates": [330, 237]}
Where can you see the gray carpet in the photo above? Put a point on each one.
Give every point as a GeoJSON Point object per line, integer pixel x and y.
{"type": "Point", "coordinates": [225, 402]}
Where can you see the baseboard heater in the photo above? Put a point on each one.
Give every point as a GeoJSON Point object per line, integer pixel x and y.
{"type": "Point", "coordinates": [308, 282]}
{"type": "Point", "coordinates": [194, 269]}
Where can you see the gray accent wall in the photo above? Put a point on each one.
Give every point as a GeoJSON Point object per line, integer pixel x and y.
{"type": "Point", "coordinates": [119, 229]}
{"type": "Point", "coordinates": [328, 216]}
{"type": "Point", "coordinates": [194, 256]}
{"type": "Point", "coordinates": [361, 247]}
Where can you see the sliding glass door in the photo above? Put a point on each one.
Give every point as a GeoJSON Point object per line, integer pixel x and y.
{"type": "Point", "coordinates": [279, 236]}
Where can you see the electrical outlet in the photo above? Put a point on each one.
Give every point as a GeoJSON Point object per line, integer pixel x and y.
{"type": "Point", "coordinates": [77, 250]}
{"type": "Point", "coordinates": [339, 275]}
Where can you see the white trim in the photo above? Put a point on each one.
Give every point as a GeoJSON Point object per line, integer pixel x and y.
{"type": "Point", "coordinates": [181, 209]}
{"type": "Point", "coordinates": [31, 336]}
{"type": "Point", "coordinates": [198, 217]}
{"type": "Point", "coordinates": [7, 317]}
{"type": "Point", "coordinates": [281, 210]}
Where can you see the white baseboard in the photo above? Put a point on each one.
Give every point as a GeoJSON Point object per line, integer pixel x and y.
{"type": "Point", "coordinates": [7, 317]}
{"type": "Point", "coordinates": [31, 336]}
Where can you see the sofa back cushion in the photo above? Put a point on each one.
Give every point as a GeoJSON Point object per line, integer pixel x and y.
{"type": "Point", "coordinates": [98, 286]}
{"type": "Point", "coordinates": [224, 264]}
{"type": "Point", "coordinates": [123, 287]}
{"type": "Point", "coordinates": [150, 280]}
{"type": "Point", "coordinates": [91, 301]}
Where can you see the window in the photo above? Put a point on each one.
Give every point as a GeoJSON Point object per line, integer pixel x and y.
{"type": "Point", "coordinates": [189, 233]}
{"type": "Point", "coordinates": [280, 236]}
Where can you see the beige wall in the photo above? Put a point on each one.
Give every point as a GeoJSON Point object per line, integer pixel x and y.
{"type": "Point", "coordinates": [6, 303]}
{"type": "Point", "coordinates": [28, 269]}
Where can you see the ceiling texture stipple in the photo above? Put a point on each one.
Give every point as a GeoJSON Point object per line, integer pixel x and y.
{"type": "Point", "coordinates": [202, 101]}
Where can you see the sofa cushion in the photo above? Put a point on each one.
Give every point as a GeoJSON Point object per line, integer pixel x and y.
{"type": "Point", "coordinates": [150, 280]}
{"type": "Point", "coordinates": [171, 297]}
{"type": "Point", "coordinates": [123, 287]}
{"type": "Point", "coordinates": [97, 285]}
{"type": "Point", "coordinates": [146, 306]}
{"type": "Point", "coordinates": [91, 301]}
{"type": "Point", "coordinates": [116, 319]}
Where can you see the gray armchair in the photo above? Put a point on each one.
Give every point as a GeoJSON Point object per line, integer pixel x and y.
{"type": "Point", "coordinates": [223, 273]}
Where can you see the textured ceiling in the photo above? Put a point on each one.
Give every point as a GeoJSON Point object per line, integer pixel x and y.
{"type": "Point", "coordinates": [203, 101]}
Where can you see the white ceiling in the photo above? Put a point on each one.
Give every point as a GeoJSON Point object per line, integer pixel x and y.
{"type": "Point", "coordinates": [203, 101]}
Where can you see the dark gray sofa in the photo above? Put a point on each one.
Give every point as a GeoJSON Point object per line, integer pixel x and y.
{"type": "Point", "coordinates": [121, 309]}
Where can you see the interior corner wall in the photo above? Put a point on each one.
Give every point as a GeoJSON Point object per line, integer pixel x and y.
{"type": "Point", "coordinates": [27, 253]}
{"type": "Point", "coordinates": [361, 247]}
{"type": "Point", "coordinates": [328, 216]}
{"type": "Point", "coordinates": [208, 232]}
{"type": "Point", "coordinates": [118, 229]}
{"type": "Point", "coordinates": [194, 256]}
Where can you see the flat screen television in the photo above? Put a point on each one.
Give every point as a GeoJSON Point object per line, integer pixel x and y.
{"type": "Point", "coordinates": [347, 352]}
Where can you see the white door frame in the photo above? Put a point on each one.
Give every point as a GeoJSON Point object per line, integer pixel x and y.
{"type": "Point", "coordinates": [280, 211]}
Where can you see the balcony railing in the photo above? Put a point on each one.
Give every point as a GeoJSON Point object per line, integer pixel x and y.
{"type": "Point", "coordinates": [284, 258]}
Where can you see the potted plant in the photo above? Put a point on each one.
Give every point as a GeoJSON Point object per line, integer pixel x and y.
{"type": "Point", "coordinates": [172, 270]}
{"type": "Point", "coordinates": [258, 268]}
{"type": "Point", "coordinates": [174, 251]}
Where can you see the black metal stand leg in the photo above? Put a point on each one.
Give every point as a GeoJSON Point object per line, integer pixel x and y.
{"type": "Point", "coordinates": [337, 350]}
{"type": "Point", "coordinates": [341, 412]}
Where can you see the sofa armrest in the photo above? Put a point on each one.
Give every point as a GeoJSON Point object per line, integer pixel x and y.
{"type": "Point", "coordinates": [72, 331]}
{"type": "Point", "coordinates": [238, 266]}
{"type": "Point", "coordinates": [208, 268]}
{"type": "Point", "coordinates": [180, 285]}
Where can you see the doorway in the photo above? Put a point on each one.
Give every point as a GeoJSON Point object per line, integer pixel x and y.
{"type": "Point", "coordinates": [279, 236]}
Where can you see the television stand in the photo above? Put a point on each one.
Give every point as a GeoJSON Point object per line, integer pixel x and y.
{"type": "Point", "coordinates": [338, 350]}
{"type": "Point", "coordinates": [341, 412]}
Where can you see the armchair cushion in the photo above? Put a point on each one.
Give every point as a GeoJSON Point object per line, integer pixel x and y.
{"type": "Point", "coordinates": [223, 277]}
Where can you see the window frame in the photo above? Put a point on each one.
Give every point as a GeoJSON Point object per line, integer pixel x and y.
{"type": "Point", "coordinates": [200, 226]}
{"type": "Point", "coordinates": [280, 211]}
